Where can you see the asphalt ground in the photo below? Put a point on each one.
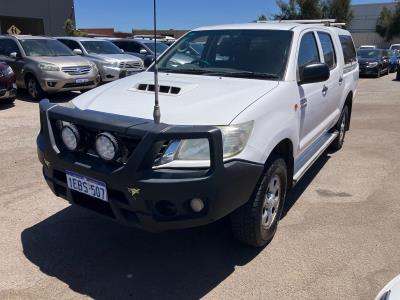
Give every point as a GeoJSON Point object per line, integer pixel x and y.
{"type": "Point", "coordinates": [338, 239]}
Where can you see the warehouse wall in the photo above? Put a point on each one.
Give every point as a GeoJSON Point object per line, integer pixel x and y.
{"type": "Point", "coordinates": [52, 12]}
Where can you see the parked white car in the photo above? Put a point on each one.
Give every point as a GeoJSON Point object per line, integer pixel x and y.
{"type": "Point", "coordinates": [395, 47]}
{"type": "Point", "coordinates": [111, 61]}
{"type": "Point", "coordinates": [240, 125]}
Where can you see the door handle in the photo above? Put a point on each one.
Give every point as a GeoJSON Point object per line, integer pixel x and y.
{"type": "Point", "coordinates": [340, 80]}
{"type": "Point", "coordinates": [303, 102]}
{"type": "Point", "coordinates": [324, 90]}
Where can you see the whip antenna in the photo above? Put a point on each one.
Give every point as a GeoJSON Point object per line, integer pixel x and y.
{"type": "Point", "coordinates": [156, 110]}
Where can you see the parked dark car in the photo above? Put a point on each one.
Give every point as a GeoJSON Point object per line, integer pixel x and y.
{"type": "Point", "coordinates": [143, 48]}
{"type": "Point", "coordinates": [393, 60]}
{"type": "Point", "coordinates": [8, 87]}
{"type": "Point", "coordinates": [373, 62]}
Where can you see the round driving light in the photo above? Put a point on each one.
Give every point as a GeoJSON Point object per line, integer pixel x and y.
{"type": "Point", "coordinates": [107, 146]}
{"type": "Point", "coordinates": [197, 205]}
{"type": "Point", "coordinates": [70, 136]}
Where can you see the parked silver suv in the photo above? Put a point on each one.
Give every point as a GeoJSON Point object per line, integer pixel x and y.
{"type": "Point", "coordinates": [44, 65]}
{"type": "Point", "coordinates": [111, 61]}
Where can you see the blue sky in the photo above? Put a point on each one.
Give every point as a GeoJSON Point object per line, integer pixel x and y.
{"type": "Point", "coordinates": [123, 15]}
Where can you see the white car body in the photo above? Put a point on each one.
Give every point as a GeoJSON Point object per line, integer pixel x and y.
{"type": "Point", "coordinates": [367, 47]}
{"type": "Point", "coordinates": [210, 100]}
{"type": "Point", "coordinates": [236, 131]}
{"type": "Point", "coordinates": [391, 291]}
{"type": "Point", "coordinates": [395, 47]}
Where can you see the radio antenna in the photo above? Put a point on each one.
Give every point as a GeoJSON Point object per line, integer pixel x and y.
{"type": "Point", "coordinates": [156, 110]}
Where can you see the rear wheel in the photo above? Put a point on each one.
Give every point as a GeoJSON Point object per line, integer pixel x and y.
{"type": "Point", "coordinates": [34, 88]}
{"type": "Point", "coordinates": [7, 101]}
{"type": "Point", "coordinates": [341, 127]}
{"type": "Point", "coordinates": [255, 223]}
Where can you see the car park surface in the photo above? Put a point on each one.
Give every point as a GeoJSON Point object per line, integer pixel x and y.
{"type": "Point", "coordinates": [338, 238]}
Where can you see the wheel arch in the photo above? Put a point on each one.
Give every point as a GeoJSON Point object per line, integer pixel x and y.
{"type": "Point", "coordinates": [349, 103]}
{"type": "Point", "coordinates": [284, 149]}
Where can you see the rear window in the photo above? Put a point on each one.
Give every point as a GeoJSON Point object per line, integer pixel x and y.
{"type": "Point", "coordinates": [349, 51]}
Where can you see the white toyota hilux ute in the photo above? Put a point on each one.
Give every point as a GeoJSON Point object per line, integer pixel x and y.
{"type": "Point", "coordinates": [245, 111]}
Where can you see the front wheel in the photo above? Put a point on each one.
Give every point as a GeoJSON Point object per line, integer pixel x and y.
{"type": "Point", "coordinates": [34, 88]}
{"type": "Point", "coordinates": [255, 223]}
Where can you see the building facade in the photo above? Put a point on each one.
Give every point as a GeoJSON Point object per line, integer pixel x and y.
{"type": "Point", "coordinates": [363, 24]}
{"type": "Point", "coordinates": [36, 17]}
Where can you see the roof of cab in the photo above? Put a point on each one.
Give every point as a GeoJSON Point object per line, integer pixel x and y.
{"type": "Point", "coordinates": [273, 25]}
{"type": "Point", "coordinates": [81, 39]}
{"type": "Point", "coordinates": [27, 37]}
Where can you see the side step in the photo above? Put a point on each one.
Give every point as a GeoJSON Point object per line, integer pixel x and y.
{"type": "Point", "coordinates": [312, 154]}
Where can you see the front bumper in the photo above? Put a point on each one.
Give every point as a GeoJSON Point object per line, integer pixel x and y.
{"type": "Point", "coordinates": [113, 73]}
{"type": "Point", "coordinates": [368, 70]}
{"type": "Point", "coordinates": [8, 93]}
{"type": "Point", "coordinates": [224, 186]}
{"type": "Point", "coordinates": [53, 82]}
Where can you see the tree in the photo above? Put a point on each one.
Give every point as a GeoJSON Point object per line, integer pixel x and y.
{"type": "Point", "coordinates": [69, 28]}
{"type": "Point", "coordinates": [310, 9]}
{"type": "Point", "coordinates": [388, 24]}
{"type": "Point", "coordinates": [289, 10]}
{"type": "Point", "coordinates": [262, 18]}
{"type": "Point", "coordinates": [315, 9]}
{"type": "Point", "coordinates": [340, 10]}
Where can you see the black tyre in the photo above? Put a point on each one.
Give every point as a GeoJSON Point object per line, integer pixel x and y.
{"type": "Point", "coordinates": [341, 127]}
{"type": "Point", "coordinates": [255, 223]}
{"type": "Point", "coordinates": [7, 101]}
{"type": "Point", "coordinates": [34, 88]}
{"type": "Point", "coordinates": [378, 73]}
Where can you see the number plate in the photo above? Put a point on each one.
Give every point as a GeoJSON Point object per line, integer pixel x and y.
{"type": "Point", "coordinates": [82, 80]}
{"type": "Point", "coordinates": [86, 185]}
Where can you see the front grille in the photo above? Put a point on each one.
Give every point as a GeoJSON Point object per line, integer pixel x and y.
{"type": "Point", "coordinates": [74, 84]}
{"type": "Point", "coordinates": [88, 151]}
{"type": "Point", "coordinates": [77, 70]}
{"type": "Point", "coordinates": [131, 65]}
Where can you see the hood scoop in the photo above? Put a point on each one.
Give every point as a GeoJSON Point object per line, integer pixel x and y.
{"type": "Point", "coordinates": [164, 89]}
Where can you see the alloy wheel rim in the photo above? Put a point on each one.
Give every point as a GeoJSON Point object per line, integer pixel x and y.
{"type": "Point", "coordinates": [271, 202]}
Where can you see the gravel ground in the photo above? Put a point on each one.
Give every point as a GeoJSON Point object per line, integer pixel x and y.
{"type": "Point", "coordinates": [338, 239]}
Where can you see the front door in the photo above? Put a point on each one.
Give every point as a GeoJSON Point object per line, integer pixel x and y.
{"type": "Point", "coordinates": [313, 102]}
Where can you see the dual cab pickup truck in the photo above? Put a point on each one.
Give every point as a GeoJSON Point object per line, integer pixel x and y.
{"type": "Point", "coordinates": [243, 116]}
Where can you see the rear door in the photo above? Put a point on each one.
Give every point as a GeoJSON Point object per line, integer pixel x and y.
{"type": "Point", "coordinates": [332, 89]}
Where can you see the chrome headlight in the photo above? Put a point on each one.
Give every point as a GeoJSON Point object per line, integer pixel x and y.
{"type": "Point", "coordinates": [112, 64]}
{"type": "Point", "coordinates": [48, 67]}
{"type": "Point", "coordinates": [372, 64]}
{"type": "Point", "coordinates": [234, 139]}
{"type": "Point", "coordinates": [9, 71]}
{"type": "Point", "coordinates": [107, 146]}
{"type": "Point", "coordinates": [70, 136]}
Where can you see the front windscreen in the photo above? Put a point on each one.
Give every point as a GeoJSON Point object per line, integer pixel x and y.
{"type": "Point", "coordinates": [368, 53]}
{"type": "Point", "coordinates": [161, 47]}
{"type": "Point", "coordinates": [259, 54]}
{"type": "Point", "coordinates": [101, 47]}
{"type": "Point", "coordinates": [45, 47]}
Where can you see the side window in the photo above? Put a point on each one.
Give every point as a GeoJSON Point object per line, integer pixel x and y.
{"type": "Point", "coordinates": [328, 49]}
{"type": "Point", "coordinates": [74, 45]}
{"type": "Point", "coordinates": [8, 46]}
{"type": "Point", "coordinates": [349, 51]}
{"type": "Point", "coordinates": [308, 52]}
{"type": "Point", "coordinates": [135, 47]}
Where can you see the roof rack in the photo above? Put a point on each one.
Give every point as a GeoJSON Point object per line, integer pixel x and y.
{"type": "Point", "coordinates": [325, 22]}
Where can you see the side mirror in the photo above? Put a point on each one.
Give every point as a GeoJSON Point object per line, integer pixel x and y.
{"type": "Point", "coordinates": [78, 51]}
{"type": "Point", "coordinates": [15, 55]}
{"type": "Point", "coordinates": [122, 51]}
{"type": "Point", "coordinates": [143, 51]}
{"type": "Point", "coordinates": [314, 73]}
